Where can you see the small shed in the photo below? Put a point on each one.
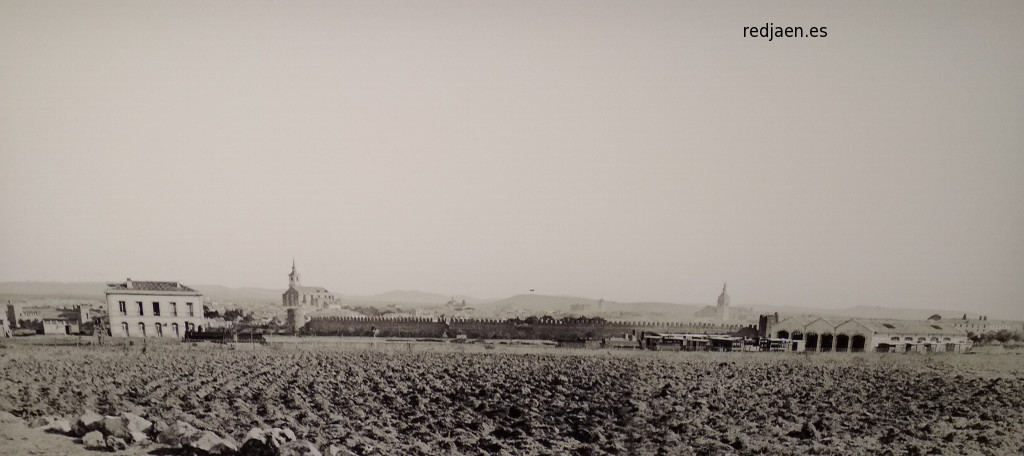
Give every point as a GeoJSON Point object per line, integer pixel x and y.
{"type": "Point", "coordinates": [621, 343]}
{"type": "Point", "coordinates": [60, 327]}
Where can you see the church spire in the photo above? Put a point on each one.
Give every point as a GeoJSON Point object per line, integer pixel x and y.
{"type": "Point", "coordinates": [293, 278]}
{"type": "Point", "coordinates": [723, 304]}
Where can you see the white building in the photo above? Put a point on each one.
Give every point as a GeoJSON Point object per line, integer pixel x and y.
{"type": "Point", "coordinates": [153, 309]}
{"type": "Point", "coordinates": [985, 326]}
{"type": "Point", "coordinates": [59, 327]}
{"type": "Point", "coordinates": [857, 335]}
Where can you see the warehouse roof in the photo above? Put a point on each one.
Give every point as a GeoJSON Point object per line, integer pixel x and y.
{"type": "Point", "coordinates": [149, 286]}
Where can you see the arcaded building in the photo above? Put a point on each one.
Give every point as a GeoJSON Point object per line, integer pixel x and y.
{"type": "Point", "coordinates": [306, 297]}
{"type": "Point", "coordinates": [153, 309]}
{"type": "Point", "coordinates": [809, 333]}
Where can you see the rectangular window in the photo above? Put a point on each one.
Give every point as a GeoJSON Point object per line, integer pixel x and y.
{"type": "Point", "coordinates": [156, 309]}
{"type": "Point", "coordinates": [121, 306]}
{"type": "Point", "coordinates": [190, 312]}
{"type": "Point", "coordinates": [140, 307]}
{"type": "Point", "coordinates": [174, 309]}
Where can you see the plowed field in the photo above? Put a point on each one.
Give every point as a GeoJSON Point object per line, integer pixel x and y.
{"type": "Point", "coordinates": [547, 402]}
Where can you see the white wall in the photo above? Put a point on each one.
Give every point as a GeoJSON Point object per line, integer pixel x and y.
{"type": "Point", "coordinates": [167, 319]}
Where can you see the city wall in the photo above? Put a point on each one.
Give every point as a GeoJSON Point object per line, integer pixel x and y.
{"type": "Point", "coordinates": [502, 329]}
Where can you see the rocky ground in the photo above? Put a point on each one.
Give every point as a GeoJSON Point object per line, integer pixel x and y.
{"type": "Point", "coordinates": [368, 402]}
{"type": "Point", "coordinates": [18, 438]}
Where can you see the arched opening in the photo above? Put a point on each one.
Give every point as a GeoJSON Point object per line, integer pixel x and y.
{"type": "Point", "coordinates": [796, 337]}
{"type": "Point", "coordinates": [827, 342]}
{"type": "Point", "coordinates": [812, 342]}
{"type": "Point", "coordinates": [177, 333]}
{"type": "Point", "coordinates": [124, 329]}
{"type": "Point", "coordinates": [159, 330]}
{"type": "Point", "coordinates": [842, 343]}
{"type": "Point", "coordinates": [142, 330]}
{"type": "Point", "coordinates": [783, 335]}
{"type": "Point", "coordinates": [857, 343]}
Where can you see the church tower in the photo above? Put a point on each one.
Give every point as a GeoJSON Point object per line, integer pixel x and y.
{"type": "Point", "coordinates": [723, 305]}
{"type": "Point", "coordinates": [293, 278]}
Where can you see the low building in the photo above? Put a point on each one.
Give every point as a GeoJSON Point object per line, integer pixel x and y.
{"type": "Point", "coordinates": [770, 344]}
{"type": "Point", "coordinates": [153, 309]}
{"type": "Point", "coordinates": [60, 327]}
{"type": "Point", "coordinates": [670, 342]}
{"type": "Point", "coordinates": [809, 333]}
{"type": "Point", "coordinates": [65, 320]}
{"type": "Point", "coordinates": [982, 326]}
{"type": "Point", "coordinates": [627, 342]}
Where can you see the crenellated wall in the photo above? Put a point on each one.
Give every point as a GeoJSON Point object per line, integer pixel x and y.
{"type": "Point", "coordinates": [501, 329]}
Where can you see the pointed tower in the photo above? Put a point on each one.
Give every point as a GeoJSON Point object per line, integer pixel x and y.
{"type": "Point", "coordinates": [723, 304]}
{"type": "Point", "coordinates": [293, 278]}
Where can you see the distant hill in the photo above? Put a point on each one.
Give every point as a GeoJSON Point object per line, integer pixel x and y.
{"type": "Point", "coordinates": [84, 290]}
{"type": "Point", "coordinates": [537, 304]}
{"type": "Point", "coordinates": [244, 296]}
{"type": "Point", "coordinates": [52, 293]}
{"type": "Point", "coordinates": [413, 297]}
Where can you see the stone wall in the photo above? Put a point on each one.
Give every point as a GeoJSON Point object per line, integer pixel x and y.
{"type": "Point", "coordinates": [501, 329]}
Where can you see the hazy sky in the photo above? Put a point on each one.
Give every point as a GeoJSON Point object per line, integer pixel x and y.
{"type": "Point", "coordinates": [631, 150]}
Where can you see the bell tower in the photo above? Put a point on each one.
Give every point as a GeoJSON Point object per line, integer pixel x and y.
{"type": "Point", "coordinates": [723, 305]}
{"type": "Point", "coordinates": [293, 278]}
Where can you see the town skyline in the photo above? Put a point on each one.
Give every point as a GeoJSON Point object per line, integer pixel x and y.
{"type": "Point", "coordinates": [418, 297]}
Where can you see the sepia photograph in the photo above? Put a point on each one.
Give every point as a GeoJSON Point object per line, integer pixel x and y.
{"type": "Point", "coordinates": [512, 228]}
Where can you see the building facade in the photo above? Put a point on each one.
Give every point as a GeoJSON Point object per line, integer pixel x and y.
{"type": "Point", "coordinates": [60, 327]}
{"type": "Point", "coordinates": [306, 297]}
{"type": "Point", "coordinates": [808, 333]}
{"type": "Point", "coordinates": [153, 309]}
{"type": "Point", "coordinates": [49, 320]}
{"type": "Point", "coordinates": [982, 326]}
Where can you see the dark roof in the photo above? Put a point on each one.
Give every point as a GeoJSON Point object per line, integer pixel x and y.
{"type": "Point", "coordinates": [311, 289]}
{"type": "Point", "coordinates": [911, 327]}
{"type": "Point", "coordinates": [146, 285]}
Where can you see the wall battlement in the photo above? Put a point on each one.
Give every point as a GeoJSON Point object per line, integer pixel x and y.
{"type": "Point", "coordinates": [489, 328]}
